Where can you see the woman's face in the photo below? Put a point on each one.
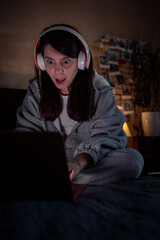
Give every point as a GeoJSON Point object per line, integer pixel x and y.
{"type": "Point", "coordinates": [61, 69]}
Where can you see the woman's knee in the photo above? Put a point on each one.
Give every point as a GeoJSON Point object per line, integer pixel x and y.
{"type": "Point", "coordinates": [128, 159]}
{"type": "Point", "coordinates": [135, 160]}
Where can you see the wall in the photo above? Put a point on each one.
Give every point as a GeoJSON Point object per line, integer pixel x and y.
{"type": "Point", "coordinates": [22, 21]}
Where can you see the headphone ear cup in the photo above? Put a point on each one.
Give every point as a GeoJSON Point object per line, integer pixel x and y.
{"type": "Point", "coordinates": [81, 60]}
{"type": "Point", "coordinates": [40, 62]}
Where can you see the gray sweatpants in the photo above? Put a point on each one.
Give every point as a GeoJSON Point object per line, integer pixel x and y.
{"type": "Point", "coordinates": [118, 165]}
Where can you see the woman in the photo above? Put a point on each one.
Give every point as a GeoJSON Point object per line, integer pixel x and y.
{"type": "Point", "coordinates": [68, 96]}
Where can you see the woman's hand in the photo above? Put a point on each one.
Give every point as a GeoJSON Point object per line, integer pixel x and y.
{"type": "Point", "coordinates": [75, 165]}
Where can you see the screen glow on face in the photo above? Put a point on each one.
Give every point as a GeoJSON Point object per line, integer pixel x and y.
{"type": "Point", "coordinates": [61, 69]}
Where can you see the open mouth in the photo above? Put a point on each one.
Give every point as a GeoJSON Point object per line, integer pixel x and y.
{"type": "Point", "coordinates": [60, 80]}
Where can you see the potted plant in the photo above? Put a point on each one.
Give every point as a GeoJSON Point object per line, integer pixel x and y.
{"type": "Point", "coordinates": [147, 79]}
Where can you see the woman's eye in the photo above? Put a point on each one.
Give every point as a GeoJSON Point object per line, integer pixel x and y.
{"type": "Point", "coordinates": [50, 61]}
{"type": "Point", "coordinates": [66, 62]}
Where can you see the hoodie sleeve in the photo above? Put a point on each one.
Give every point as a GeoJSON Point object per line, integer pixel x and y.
{"type": "Point", "coordinates": [106, 129]}
{"type": "Point", "coordinates": [28, 116]}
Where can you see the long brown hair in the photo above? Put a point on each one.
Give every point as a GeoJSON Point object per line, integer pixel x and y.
{"type": "Point", "coordinates": [81, 97]}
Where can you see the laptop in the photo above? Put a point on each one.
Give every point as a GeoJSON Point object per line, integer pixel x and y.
{"type": "Point", "coordinates": [33, 166]}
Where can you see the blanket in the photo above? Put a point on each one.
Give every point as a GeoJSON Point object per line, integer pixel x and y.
{"type": "Point", "coordinates": [128, 210]}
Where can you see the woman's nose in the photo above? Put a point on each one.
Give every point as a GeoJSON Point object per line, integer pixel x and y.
{"type": "Point", "coordinates": [59, 68]}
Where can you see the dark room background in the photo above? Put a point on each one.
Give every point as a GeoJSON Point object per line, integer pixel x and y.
{"type": "Point", "coordinates": [22, 21]}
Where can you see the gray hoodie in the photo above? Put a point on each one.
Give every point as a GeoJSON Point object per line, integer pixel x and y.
{"type": "Point", "coordinates": [97, 137]}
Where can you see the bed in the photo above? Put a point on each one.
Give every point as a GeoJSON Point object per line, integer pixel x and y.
{"type": "Point", "coordinates": [128, 210]}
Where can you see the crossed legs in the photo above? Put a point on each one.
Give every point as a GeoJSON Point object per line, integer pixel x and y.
{"type": "Point", "coordinates": [118, 165]}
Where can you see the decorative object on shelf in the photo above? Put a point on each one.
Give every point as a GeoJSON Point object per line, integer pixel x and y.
{"type": "Point", "coordinates": [151, 123]}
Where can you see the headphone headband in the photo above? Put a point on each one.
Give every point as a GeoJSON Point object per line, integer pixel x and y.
{"type": "Point", "coordinates": [74, 32]}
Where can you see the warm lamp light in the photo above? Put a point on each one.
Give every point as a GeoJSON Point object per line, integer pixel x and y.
{"type": "Point", "coordinates": [126, 129]}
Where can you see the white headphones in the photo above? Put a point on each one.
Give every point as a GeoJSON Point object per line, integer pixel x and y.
{"type": "Point", "coordinates": [84, 55]}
